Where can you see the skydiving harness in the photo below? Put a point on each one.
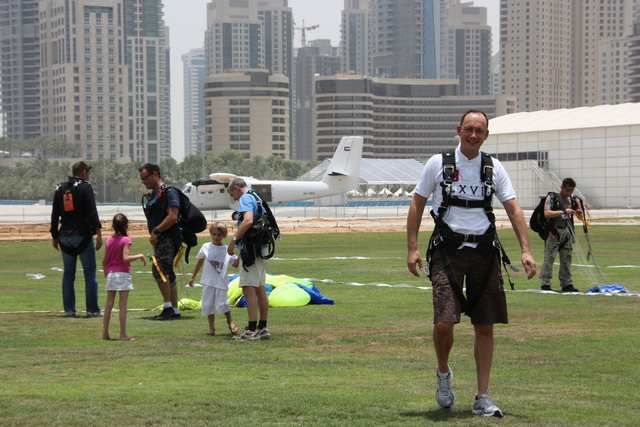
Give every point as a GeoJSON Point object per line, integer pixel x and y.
{"type": "Point", "coordinates": [260, 240]}
{"type": "Point", "coordinates": [567, 221]}
{"type": "Point", "coordinates": [447, 241]}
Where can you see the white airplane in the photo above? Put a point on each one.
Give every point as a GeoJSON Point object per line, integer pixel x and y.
{"type": "Point", "coordinates": [342, 175]}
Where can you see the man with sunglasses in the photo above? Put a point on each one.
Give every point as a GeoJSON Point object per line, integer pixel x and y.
{"type": "Point", "coordinates": [161, 207]}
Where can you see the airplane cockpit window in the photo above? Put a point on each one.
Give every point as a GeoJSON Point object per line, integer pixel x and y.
{"type": "Point", "coordinates": [186, 189]}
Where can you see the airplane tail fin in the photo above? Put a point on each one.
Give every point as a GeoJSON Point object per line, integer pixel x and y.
{"type": "Point", "coordinates": [346, 160]}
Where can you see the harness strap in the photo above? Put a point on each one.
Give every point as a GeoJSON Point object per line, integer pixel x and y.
{"type": "Point", "coordinates": [448, 234]}
{"type": "Point", "coordinates": [465, 203]}
{"type": "Point", "coordinates": [506, 262]}
{"type": "Point", "coordinates": [449, 175]}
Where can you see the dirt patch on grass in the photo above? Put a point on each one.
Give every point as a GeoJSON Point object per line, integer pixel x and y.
{"type": "Point", "coordinates": [27, 232]}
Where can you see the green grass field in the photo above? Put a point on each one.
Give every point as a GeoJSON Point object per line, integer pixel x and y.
{"type": "Point", "coordinates": [368, 360]}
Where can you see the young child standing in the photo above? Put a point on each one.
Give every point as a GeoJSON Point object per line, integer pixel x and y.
{"type": "Point", "coordinates": [116, 266]}
{"type": "Point", "coordinates": [213, 256]}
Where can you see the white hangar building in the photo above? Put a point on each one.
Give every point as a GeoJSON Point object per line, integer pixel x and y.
{"type": "Point", "coordinates": [597, 146]}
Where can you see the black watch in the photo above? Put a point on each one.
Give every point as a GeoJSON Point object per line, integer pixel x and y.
{"type": "Point", "coordinates": [155, 231]}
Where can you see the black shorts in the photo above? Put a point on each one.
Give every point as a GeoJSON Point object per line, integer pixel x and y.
{"type": "Point", "coordinates": [480, 268]}
{"type": "Point", "coordinates": [165, 251]}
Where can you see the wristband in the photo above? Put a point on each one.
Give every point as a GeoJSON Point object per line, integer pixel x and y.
{"type": "Point", "coordinates": [155, 231]}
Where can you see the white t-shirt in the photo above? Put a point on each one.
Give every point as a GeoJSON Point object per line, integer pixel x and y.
{"type": "Point", "coordinates": [467, 185]}
{"type": "Point", "coordinates": [216, 262]}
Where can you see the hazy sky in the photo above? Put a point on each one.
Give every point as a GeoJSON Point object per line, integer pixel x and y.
{"type": "Point", "coordinates": [187, 20]}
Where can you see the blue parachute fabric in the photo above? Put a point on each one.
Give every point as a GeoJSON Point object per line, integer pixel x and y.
{"type": "Point", "coordinates": [608, 288]}
{"type": "Point", "coordinates": [242, 302]}
{"type": "Point", "coordinates": [268, 288]}
{"type": "Point", "coordinates": [315, 294]}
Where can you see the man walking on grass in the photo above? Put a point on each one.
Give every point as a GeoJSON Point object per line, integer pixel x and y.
{"type": "Point", "coordinates": [464, 248]}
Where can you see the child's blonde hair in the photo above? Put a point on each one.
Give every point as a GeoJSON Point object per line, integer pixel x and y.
{"type": "Point", "coordinates": [219, 227]}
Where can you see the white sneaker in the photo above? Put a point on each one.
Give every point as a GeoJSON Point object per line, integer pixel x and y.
{"type": "Point", "coordinates": [444, 394]}
{"type": "Point", "coordinates": [263, 334]}
{"type": "Point", "coordinates": [247, 335]}
{"type": "Point", "coordinates": [485, 407]}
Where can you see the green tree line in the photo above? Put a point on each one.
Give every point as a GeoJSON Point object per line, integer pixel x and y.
{"type": "Point", "coordinates": [36, 178]}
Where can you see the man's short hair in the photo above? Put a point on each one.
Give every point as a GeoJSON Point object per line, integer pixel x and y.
{"type": "Point", "coordinates": [237, 182]}
{"type": "Point", "coordinates": [78, 167]}
{"type": "Point", "coordinates": [568, 183]}
{"type": "Point", "coordinates": [474, 112]}
{"type": "Point", "coordinates": [150, 168]}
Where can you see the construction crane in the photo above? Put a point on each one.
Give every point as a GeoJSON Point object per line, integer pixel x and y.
{"type": "Point", "coordinates": [304, 30]}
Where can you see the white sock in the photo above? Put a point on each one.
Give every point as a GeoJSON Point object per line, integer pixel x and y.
{"type": "Point", "coordinates": [176, 310]}
{"type": "Point", "coordinates": [166, 305]}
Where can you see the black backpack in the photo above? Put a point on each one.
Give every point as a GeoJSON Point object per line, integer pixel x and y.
{"type": "Point", "coordinates": [68, 194]}
{"type": "Point", "coordinates": [190, 220]}
{"type": "Point", "coordinates": [265, 228]}
{"type": "Point", "coordinates": [538, 222]}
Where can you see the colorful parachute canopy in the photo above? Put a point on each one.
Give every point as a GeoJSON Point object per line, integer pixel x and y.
{"type": "Point", "coordinates": [283, 291]}
{"type": "Point", "coordinates": [288, 295]}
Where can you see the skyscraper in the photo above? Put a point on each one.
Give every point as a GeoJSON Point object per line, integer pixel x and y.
{"type": "Point", "coordinates": [147, 55]}
{"type": "Point", "coordinates": [496, 75]}
{"type": "Point", "coordinates": [558, 54]}
{"type": "Point", "coordinates": [397, 38]}
{"type": "Point", "coordinates": [601, 28]}
{"type": "Point", "coordinates": [324, 47]}
{"type": "Point", "coordinates": [312, 60]}
{"type": "Point", "coordinates": [194, 64]}
{"type": "Point", "coordinates": [634, 59]}
{"type": "Point", "coordinates": [406, 38]}
{"type": "Point", "coordinates": [20, 68]}
{"type": "Point", "coordinates": [469, 47]}
{"type": "Point", "coordinates": [247, 111]}
{"type": "Point", "coordinates": [250, 35]}
{"type": "Point", "coordinates": [536, 53]}
{"type": "Point", "coordinates": [355, 37]}
{"type": "Point", "coordinates": [165, 96]}
{"type": "Point", "coordinates": [276, 21]}
{"type": "Point", "coordinates": [233, 40]}
{"type": "Point", "coordinates": [84, 76]}
{"type": "Point", "coordinates": [431, 34]}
